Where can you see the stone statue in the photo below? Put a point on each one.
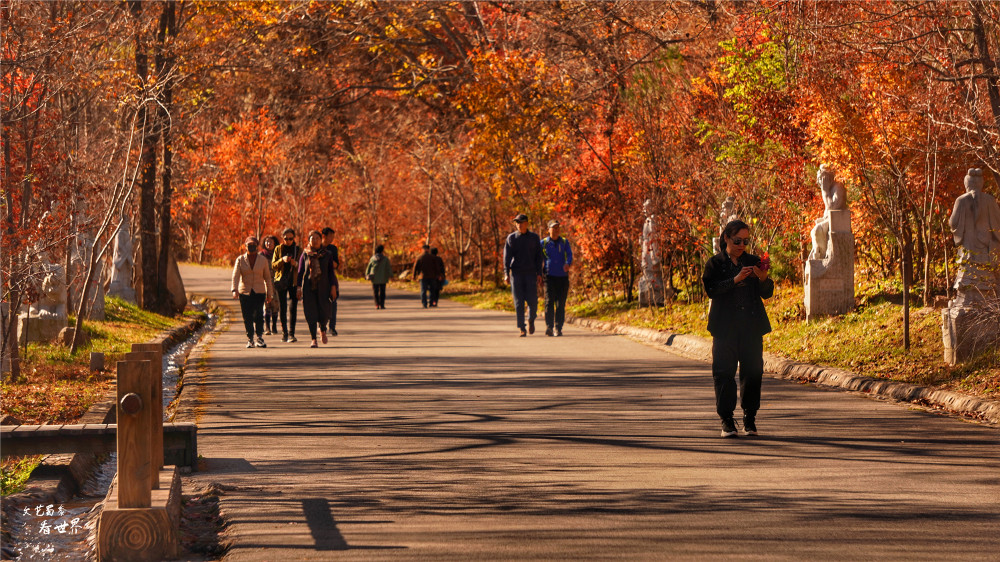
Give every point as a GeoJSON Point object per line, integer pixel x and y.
{"type": "Point", "coordinates": [968, 328]}
{"type": "Point", "coordinates": [82, 250]}
{"type": "Point", "coordinates": [975, 224]}
{"type": "Point", "coordinates": [651, 282]}
{"type": "Point", "coordinates": [829, 275]}
{"type": "Point", "coordinates": [727, 214]}
{"type": "Point", "coordinates": [834, 199]}
{"type": "Point", "coordinates": [123, 263]}
{"type": "Point", "coordinates": [47, 316]}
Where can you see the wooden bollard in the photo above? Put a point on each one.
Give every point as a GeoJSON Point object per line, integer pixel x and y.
{"type": "Point", "coordinates": [155, 437]}
{"type": "Point", "coordinates": [135, 464]}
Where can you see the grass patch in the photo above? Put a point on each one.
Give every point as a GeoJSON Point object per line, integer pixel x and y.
{"type": "Point", "coordinates": [57, 387]}
{"type": "Point", "coordinates": [14, 472]}
{"type": "Point", "coordinates": [867, 341]}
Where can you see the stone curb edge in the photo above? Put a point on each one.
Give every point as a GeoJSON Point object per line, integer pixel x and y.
{"type": "Point", "coordinates": [696, 347]}
{"type": "Point", "coordinates": [187, 405]}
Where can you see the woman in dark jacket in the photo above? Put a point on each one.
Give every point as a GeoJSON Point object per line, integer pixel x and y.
{"type": "Point", "coordinates": [318, 285]}
{"type": "Point", "coordinates": [736, 281]}
{"type": "Point", "coordinates": [271, 309]}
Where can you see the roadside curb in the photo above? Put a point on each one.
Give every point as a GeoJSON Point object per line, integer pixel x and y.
{"type": "Point", "coordinates": [696, 347]}
{"type": "Point", "coordinates": [191, 392]}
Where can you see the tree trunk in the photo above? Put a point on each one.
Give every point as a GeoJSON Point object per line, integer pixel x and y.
{"type": "Point", "coordinates": [165, 66]}
{"type": "Point", "coordinates": [149, 281]}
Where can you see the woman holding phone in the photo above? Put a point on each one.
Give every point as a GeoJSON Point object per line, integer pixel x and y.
{"type": "Point", "coordinates": [737, 281]}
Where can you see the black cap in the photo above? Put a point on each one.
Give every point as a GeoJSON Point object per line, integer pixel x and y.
{"type": "Point", "coordinates": [553, 222]}
{"type": "Point", "coordinates": [521, 217]}
{"type": "Point", "coordinates": [327, 230]}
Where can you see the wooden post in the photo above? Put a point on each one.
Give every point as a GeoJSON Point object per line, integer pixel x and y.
{"type": "Point", "coordinates": [135, 465]}
{"type": "Point", "coordinates": [156, 409]}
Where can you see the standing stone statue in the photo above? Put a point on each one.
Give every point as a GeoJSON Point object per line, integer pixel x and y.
{"type": "Point", "coordinates": [123, 263]}
{"type": "Point", "coordinates": [829, 273]}
{"type": "Point", "coordinates": [651, 282]}
{"type": "Point", "coordinates": [968, 328]}
{"type": "Point", "coordinates": [727, 214]}
{"type": "Point", "coordinates": [84, 247]}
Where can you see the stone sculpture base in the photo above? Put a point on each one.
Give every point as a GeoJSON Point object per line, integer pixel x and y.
{"type": "Point", "coordinates": [650, 291]}
{"type": "Point", "coordinates": [829, 283]}
{"type": "Point", "coordinates": [967, 330]}
{"type": "Point", "coordinates": [44, 329]}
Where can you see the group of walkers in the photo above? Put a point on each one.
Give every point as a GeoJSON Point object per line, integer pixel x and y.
{"type": "Point", "coordinates": [292, 274]}
{"type": "Point", "coordinates": [735, 281]}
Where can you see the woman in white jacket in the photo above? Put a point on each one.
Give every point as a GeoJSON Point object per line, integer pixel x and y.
{"type": "Point", "coordinates": [253, 286]}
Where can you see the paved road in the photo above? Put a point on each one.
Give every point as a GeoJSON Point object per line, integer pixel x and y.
{"type": "Point", "coordinates": [439, 434]}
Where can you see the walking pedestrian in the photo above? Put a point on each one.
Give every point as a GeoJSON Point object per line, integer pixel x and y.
{"type": "Point", "coordinates": [426, 268]}
{"type": "Point", "coordinates": [438, 283]}
{"type": "Point", "coordinates": [252, 286]}
{"type": "Point", "coordinates": [557, 256]}
{"type": "Point", "coordinates": [285, 265]}
{"type": "Point", "coordinates": [317, 285]}
{"type": "Point", "coordinates": [522, 265]}
{"type": "Point", "coordinates": [379, 271]}
{"type": "Point", "coordinates": [737, 281]}
{"type": "Point", "coordinates": [335, 257]}
{"type": "Point", "coordinates": [271, 308]}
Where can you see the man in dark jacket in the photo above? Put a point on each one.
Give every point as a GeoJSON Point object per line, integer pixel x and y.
{"type": "Point", "coordinates": [522, 265]}
{"type": "Point", "coordinates": [439, 281]}
{"type": "Point", "coordinates": [426, 268]}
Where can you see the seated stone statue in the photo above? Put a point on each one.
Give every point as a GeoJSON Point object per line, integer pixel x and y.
{"type": "Point", "coordinates": [834, 199]}
{"type": "Point", "coordinates": [52, 303]}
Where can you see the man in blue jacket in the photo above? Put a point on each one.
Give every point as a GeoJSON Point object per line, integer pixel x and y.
{"type": "Point", "coordinates": [522, 265]}
{"type": "Point", "coordinates": [558, 257]}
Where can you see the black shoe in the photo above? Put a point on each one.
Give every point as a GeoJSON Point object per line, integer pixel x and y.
{"type": "Point", "coordinates": [284, 337]}
{"type": "Point", "coordinates": [729, 428]}
{"type": "Point", "coordinates": [267, 332]}
{"type": "Point", "coordinates": [558, 332]}
{"type": "Point", "coordinates": [292, 338]}
{"type": "Point", "coordinates": [249, 343]}
{"type": "Point", "coordinates": [524, 333]}
{"type": "Point", "coordinates": [749, 425]}
{"type": "Point", "coordinates": [548, 332]}
{"type": "Point", "coordinates": [260, 342]}
{"type": "Point", "coordinates": [531, 327]}
{"type": "Point", "coordinates": [333, 332]}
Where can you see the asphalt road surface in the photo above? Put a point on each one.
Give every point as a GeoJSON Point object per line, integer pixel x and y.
{"type": "Point", "coordinates": [438, 434]}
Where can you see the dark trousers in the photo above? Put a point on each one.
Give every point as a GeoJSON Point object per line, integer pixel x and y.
{"type": "Point", "coordinates": [316, 308]}
{"type": "Point", "coordinates": [270, 319]}
{"type": "Point", "coordinates": [556, 291]}
{"type": "Point", "coordinates": [524, 287]}
{"type": "Point", "coordinates": [285, 295]}
{"type": "Point", "coordinates": [252, 307]}
{"type": "Point", "coordinates": [379, 290]}
{"type": "Point", "coordinates": [727, 351]}
{"type": "Point", "coordinates": [435, 290]}
{"type": "Point", "coordinates": [333, 314]}
{"type": "Point", "coordinates": [426, 291]}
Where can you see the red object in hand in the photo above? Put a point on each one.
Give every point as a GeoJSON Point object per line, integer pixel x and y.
{"type": "Point", "coordinates": [765, 262]}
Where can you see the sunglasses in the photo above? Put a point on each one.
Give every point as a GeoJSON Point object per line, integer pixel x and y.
{"type": "Point", "coordinates": [741, 241]}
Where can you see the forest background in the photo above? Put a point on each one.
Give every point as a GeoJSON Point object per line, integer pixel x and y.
{"type": "Point", "coordinates": [194, 124]}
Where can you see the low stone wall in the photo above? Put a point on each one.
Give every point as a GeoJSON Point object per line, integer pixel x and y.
{"type": "Point", "coordinates": [699, 348]}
